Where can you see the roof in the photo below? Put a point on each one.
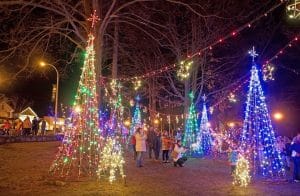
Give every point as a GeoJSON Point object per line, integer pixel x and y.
{"type": "Point", "coordinates": [7, 107]}
{"type": "Point", "coordinates": [28, 112]}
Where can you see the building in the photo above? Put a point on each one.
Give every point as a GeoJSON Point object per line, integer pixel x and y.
{"type": "Point", "coordinates": [27, 112]}
{"type": "Point", "coordinates": [6, 111]}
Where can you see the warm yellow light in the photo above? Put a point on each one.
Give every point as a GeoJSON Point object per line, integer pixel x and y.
{"type": "Point", "coordinates": [241, 175]}
{"type": "Point", "coordinates": [127, 123]}
{"type": "Point", "coordinates": [278, 116]}
{"type": "Point", "coordinates": [231, 124]}
{"type": "Point", "coordinates": [77, 109]}
{"type": "Point", "coordinates": [42, 64]}
{"type": "Point", "coordinates": [156, 121]}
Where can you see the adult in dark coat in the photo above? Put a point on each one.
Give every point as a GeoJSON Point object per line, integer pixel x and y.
{"type": "Point", "coordinates": [295, 148]}
{"type": "Point", "coordinates": [150, 141]}
{"type": "Point", "coordinates": [35, 126]}
{"type": "Point", "coordinates": [157, 145]}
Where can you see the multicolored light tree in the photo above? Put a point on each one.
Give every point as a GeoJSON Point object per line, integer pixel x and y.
{"type": "Point", "coordinates": [206, 139]}
{"type": "Point", "coordinates": [258, 138]}
{"type": "Point", "coordinates": [79, 153]}
{"type": "Point", "coordinates": [114, 125]}
{"type": "Point", "coordinates": [137, 117]}
{"type": "Point", "coordinates": [192, 136]}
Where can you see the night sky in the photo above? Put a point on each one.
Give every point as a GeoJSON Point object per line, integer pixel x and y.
{"type": "Point", "coordinates": [283, 93]}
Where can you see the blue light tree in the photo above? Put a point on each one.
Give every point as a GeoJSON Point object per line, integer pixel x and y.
{"type": "Point", "coordinates": [258, 138]}
{"type": "Point", "coordinates": [206, 139]}
{"type": "Point", "coordinates": [137, 117]}
{"type": "Point", "coordinates": [192, 135]}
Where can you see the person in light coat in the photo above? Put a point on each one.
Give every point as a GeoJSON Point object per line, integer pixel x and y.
{"type": "Point", "coordinates": [177, 154]}
{"type": "Point", "coordinates": [140, 138]}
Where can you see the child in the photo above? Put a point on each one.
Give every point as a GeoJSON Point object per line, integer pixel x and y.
{"type": "Point", "coordinates": [233, 158]}
{"type": "Point", "coordinates": [177, 154]}
{"type": "Point", "coordinates": [165, 147]}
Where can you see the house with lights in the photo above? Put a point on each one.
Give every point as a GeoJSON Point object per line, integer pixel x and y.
{"type": "Point", "coordinates": [6, 111]}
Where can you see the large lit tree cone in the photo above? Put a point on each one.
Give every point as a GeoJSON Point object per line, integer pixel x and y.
{"type": "Point", "coordinates": [206, 139]}
{"type": "Point", "coordinates": [111, 164]}
{"type": "Point", "coordinates": [241, 175]}
{"type": "Point", "coordinates": [258, 138]}
{"type": "Point", "coordinates": [78, 156]}
{"type": "Point", "coordinates": [192, 136]}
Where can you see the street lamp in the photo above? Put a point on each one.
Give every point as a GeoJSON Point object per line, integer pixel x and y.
{"type": "Point", "coordinates": [43, 64]}
{"type": "Point", "coordinates": [278, 116]}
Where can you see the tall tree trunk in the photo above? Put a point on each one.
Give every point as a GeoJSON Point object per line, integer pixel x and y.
{"type": "Point", "coordinates": [115, 51]}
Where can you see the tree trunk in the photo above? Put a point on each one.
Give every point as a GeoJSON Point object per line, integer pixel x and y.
{"type": "Point", "coordinates": [115, 51]}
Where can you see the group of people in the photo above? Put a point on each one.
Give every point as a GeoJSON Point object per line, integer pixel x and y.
{"type": "Point", "coordinates": [26, 127]}
{"type": "Point", "coordinates": [155, 142]}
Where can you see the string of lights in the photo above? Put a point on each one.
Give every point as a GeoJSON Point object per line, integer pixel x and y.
{"type": "Point", "coordinates": [268, 68]}
{"type": "Point", "coordinates": [224, 98]}
{"type": "Point", "coordinates": [189, 57]}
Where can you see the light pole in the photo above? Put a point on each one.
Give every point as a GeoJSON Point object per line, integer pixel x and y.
{"type": "Point", "coordinates": [43, 64]}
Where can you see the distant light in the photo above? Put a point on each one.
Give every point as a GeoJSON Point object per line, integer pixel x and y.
{"type": "Point", "coordinates": [231, 124]}
{"type": "Point", "coordinates": [77, 109]}
{"type": "Point", "coordinates": [42, 64]}
{"type": "Point", "coordinates": [127, 123]}
{"type": "Point", "coordinates": [208, 124]}
{"type": "Point", "coordinates": [156, 121]}
{"type": "Point", "coordinates": [278, 116]}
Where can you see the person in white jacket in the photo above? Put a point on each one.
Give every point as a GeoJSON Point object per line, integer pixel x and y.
{"type": "Point", "coordinates": [178, 154]}
{"type": "Point", "coordinates": [140, 147]}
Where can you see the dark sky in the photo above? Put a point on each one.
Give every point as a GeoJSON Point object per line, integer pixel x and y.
{"type": "Point", "coordinates": [283, 94]}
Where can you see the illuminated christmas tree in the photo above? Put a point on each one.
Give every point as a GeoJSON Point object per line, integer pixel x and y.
{"type": "Point", "coordinates": [114, 125]}
{"type": "Point", "coordinates": [112, 160]}
{"type": "Point", "coordinates": [78, 156]}
{"type": "Point", "coordinates": [258, 138]}
{"type": "Point", "coordinates": [192, 135]}
{"type": "Point", "coordinates": [137, 117]}
{"type": "Point", "coordinates": [241, 175]}
{"type": "Point", "coordinates": [206, 139]}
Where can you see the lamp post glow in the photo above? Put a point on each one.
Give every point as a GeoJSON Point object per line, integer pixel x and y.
{"type": "Point", "coordinates": [278, 116]}
{"type": "Point", "coordinates": [127, 123]}
{"type": "Point", "coordinates": [231, 124]}
{"type": "Point", "coordinates": [43, 64]}
{"type": "Point", "coordinates": [156, 121]}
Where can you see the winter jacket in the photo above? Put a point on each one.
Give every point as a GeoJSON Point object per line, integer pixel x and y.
{"type": "Point", "coordinates": [151, 138]}
{"type": "Point", "coordinates": [140, 142]}
{"type": "Point", "coordinates": [27, 124]}
{"type": "Point", "coordinates": [177, 152]}
{"type": "Point", "coordinates": [165, 143]}
{"type": "Point", "coordinates": [133, 141]}
{"type": "Point", "coordinates": [233, 157]}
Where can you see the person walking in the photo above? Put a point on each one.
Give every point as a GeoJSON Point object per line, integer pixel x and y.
{"type": "Point", "coordinates": [140, 138]}
{"type": "Point", "coordinates": [35, 126]}
{"type": "Point", "coordinates": [157, 145]}
{"type": "Point", "coordinates": [295, 148]}
{"type": "Point", "coordinates": [233, 158]}
{"type": "Point", "coordinates": [43, 127]}
{"type": "Point", "coordinates": [133, 144]}
{"type": "Point", "coordinates": [177, 154]}
{"type": "Point", "coordinates": [150, 140]}
{"type": "Point", "coordinates": [19, 127]}
{"type": "Point", "coordinates": [165, 147]}
{"type": "Point", "coordinates": [27, 126]}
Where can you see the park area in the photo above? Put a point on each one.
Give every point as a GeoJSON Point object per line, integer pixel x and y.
{"type": "Point", "coordinates": [24, 171]}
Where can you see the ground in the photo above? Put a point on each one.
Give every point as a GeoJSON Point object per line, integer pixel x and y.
{"type": "Point", "coordinates": [24, 168]}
